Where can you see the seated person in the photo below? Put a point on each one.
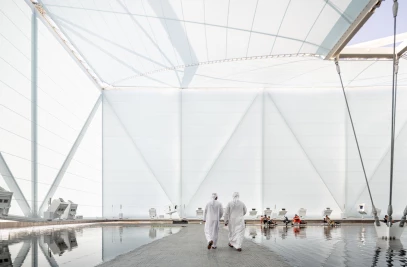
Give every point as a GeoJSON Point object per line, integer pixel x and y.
{"type": "Point", "coordinates": [329, 221]}
{"type": "Point", "coordinates": [263, 219]}
{"type": "Point", "coordinates": [296, 219]}
{"type": "Point", "coordinates": [286, 220]}
{"type": "Point", "coordinates": [271, 222]}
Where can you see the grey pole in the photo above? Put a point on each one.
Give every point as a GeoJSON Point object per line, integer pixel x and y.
{"type": "Point", "coordinates": [393, 114]}
{"type": "Point", "coordinates": [34, 251]}
{"type": "Point", "coordinates": [338, 69]}
{"type": "Point", "coordinates": [34, 77]}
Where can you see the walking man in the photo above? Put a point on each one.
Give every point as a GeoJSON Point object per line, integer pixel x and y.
{"type": "Point", "coordinates": [212, 215]}
{"type": "Point", "coordinates": [235, 211]}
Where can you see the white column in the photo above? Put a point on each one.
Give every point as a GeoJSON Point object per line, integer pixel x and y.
{"type": "Point", "coordinates": [181, 204]}
{"type": "Point", "coordinates": [262, 208]}
{"type": "Point", "coordinates": [34, 77]}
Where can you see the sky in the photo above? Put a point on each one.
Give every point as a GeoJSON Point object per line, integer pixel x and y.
{"type": "Point", "coordinates": [381, 23]}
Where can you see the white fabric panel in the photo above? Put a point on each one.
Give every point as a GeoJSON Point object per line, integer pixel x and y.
{"type": "Point", "coordinates": [237, 43]}
{"type": "Point", "coordinates": [195, 11]}
{"type": "Point", "coordinates": [226, 124]}
{"type": "Point", "coordinates": [241, 14]}
{"type": "Point", "coordinates": [216, 42]}
{"type": "Point", "coordinates": [141, 151]}
{"type": "Point", "coordinates": [122, 38]}
{"type": "Point", "coordinates": [310, 158]}
{"type": "Point", "coordinates": [291, 180]}
{"type": "Point", "coordinates": [168, 79]}
{"type": "Point", "coordinates": [257, 45]}
{"type": "Point", "coordinates": [293, 33]}
{"type": "Point", "coordinates": [318, 124]}
{"type": "Point", "coordinates": [296, 72]}
{"type": "Point", "coordinates": [82, 182]}
{"type": "Point", "coordinates": [15, 94]}
{"type": "Point", "coordinates": [323, 25]}
{"type": "Point", "coordinates": [372, 116]}
{"type": "Point", "coordinates": [64, 105]}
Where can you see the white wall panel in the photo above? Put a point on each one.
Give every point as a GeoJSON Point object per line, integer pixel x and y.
{"type": "Point", "coordinates": [15, 90]}
{"type": "Point", "coordinates": [280, 148]}
{"type": "Point", "coordinates": [141, 151]}
{"type": "Point", "coordinates": [291, 175]}
{"type": "Point", "coordinates": [316, 117]}
{"type": "Point", "coordinates": [218, 119]}
{"type": "Point", "coordinates": [65, 98]}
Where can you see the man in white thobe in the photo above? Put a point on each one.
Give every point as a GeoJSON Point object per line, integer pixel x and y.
{"type": "Point", "coordinates": [212, 215]}
{"type": "Point", "coordinates": [235, 210]}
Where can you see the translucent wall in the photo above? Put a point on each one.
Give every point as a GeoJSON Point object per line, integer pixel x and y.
{"type": "Point", "coordinates": [288, 148]}
{"type": "Point", "coordinates": [66, 97]}
{"type": "Point", "coordinates": [15, 94]}
{"type": "Point", "coordinates": [141, 151]}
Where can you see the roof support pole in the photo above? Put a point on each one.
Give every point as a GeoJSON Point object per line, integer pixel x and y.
{"type": "Point", "coordinates": [263, 128]}
{"type": "Point", "coordinates": [34, 87]}
{"type": "Point", "coordinates": [181, 201]}
{"type": "Point", "coordinates": [34, 251]}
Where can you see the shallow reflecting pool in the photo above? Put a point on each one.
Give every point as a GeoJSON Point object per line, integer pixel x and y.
{"type": "Point", "coordinates": [325, 246]}
{"type": "Point", "coordinates": [77, 246]}
{"type": "Point", "coordinates": [91, 245]}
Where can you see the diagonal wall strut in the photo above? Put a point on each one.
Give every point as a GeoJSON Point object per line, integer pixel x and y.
{"type": "Point", "coordinates": [70, 156]}
{"type": "Point", "coordinates": [303, 150]}
{"type": "Point", "coordinates": [223, 147]}
{"type": "Point", "coordinates": [66, 44]}
{"type": "Point", "coordinates": [51, 260]}
{"type": "Point", "coordinates": [138, 150]}
{"type": "Point", "coordinates": [383, 157]}
{"type": "Point", "coordinates": [13, 186]}
{"type": "Point", "coordinates": [22, 254]}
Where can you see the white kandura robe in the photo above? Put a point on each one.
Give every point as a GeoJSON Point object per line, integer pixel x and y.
{"type": "Point", "coordinates": [213, 213]}
{"type": "Point", "coordinates": [234, 218]}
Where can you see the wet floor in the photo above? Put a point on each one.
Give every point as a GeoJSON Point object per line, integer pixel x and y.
{"type": "Point", "coordinates": [92, 245]}
{"type": "Point", "coordinates": [79, 246]}
{"type": "Point", "coordinates": [325, 246]}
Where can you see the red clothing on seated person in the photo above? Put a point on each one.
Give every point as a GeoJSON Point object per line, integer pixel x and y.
{"type": "Point", "coordinates": [296, 219]}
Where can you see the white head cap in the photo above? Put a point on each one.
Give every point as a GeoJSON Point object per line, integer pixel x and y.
{"type": "Point", "coordinates": [235, 196]}
{"type": "Point", "coordinates": [214, 196]}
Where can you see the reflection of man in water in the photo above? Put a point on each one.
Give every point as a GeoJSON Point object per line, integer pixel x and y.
{"type": "Point", "coordinates": [327, 232]}
{"type": "Point", "coordinates": [152, 233]}
{"type": "Point", "coordinates": [266, 232]}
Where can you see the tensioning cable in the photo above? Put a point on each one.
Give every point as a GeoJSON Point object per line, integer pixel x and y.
{"type": "Point", "coordinates": [393, 112]}
{"type": "Point", "coordinates": [357, 143]}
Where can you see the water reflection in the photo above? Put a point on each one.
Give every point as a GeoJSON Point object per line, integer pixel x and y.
{"type": "Point", "coordinates": [59, 242]}
{"type": "Point", "coordinates": [327, 246]}
{"type": "Point", "coordinates": [5, 256]}
{"type": "Point", "coordinates": [308, 246]}
{"type": "Point", "coordinates": [84, 246]}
